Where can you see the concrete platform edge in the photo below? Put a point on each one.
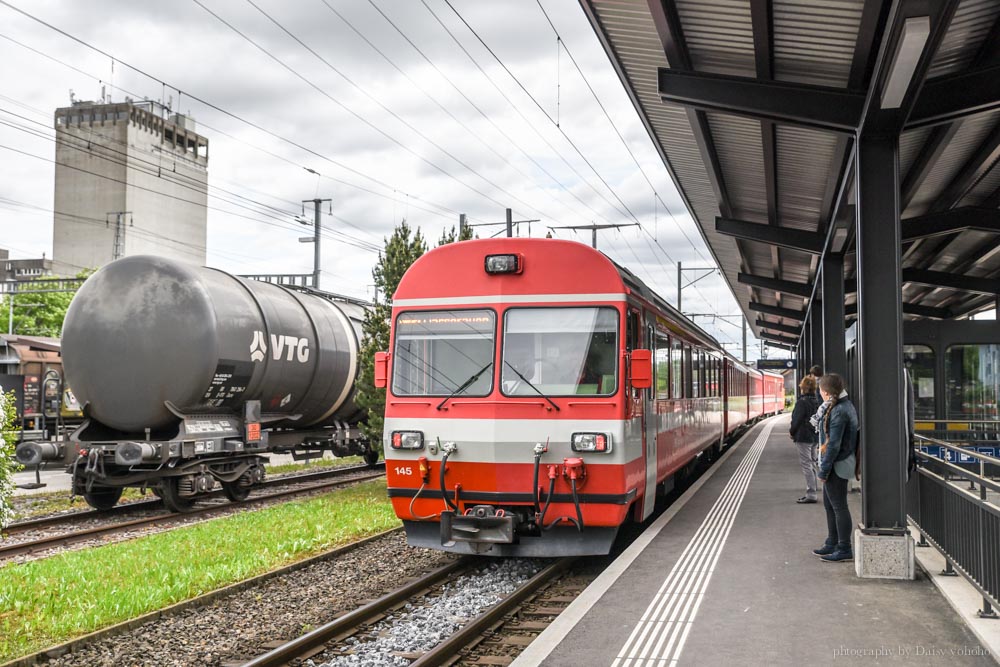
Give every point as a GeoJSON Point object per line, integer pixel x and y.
{"type": "Point", "coordinates": [553, 635]}
{"type": "Point", "coordinates": [962, 597]}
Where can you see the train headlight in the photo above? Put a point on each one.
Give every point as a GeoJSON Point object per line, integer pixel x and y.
{"type": "Point", "coordinates": [503, 264]}
{"type": "Point", "coordinates": [407, 440]}
{"type": "Point", "coordinates": [591, 442]}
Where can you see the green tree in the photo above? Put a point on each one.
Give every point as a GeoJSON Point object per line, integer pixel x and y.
{"type": "Point", "coordinates": [8, 464]}
{"type": "Point", "coordinates": [401, 250]}
{"type": "Point", "coordinates": [451, 235]}
{"type": "Point", "coordinates": [39, 314]}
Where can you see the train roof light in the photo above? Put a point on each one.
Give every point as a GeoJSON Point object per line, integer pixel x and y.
{"type": "Point", "coordinates": [503, 264]}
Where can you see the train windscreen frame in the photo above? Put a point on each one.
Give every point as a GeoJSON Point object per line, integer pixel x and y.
{"type": "Point", "coordinates": [444, 352]}
{"type": "Point", "coordinates": [562, 351]}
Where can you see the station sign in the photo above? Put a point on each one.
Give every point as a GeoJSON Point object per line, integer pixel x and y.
{"type": "Point", "coordinates": [775, 364]}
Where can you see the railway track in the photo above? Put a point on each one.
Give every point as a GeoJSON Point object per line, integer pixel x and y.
{"type": "Point", "coordinates": [329, 639]}
{"type": "Point", "coordinates": [329, 479]}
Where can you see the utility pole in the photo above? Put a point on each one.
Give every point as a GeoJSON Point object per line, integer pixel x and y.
{"type": "Point", "coordinates": [510, 223]}
{"type": "Point", "coordinates": [593, 229]}
{"type": "Point", "coordinates": [317, 227]}
{"type": "Point", "coordinates": [118, 247]}
{"type": "Point", "coordinates": [461, 225]}
{"type": "Point", "coordinates": [744, 340]}
{"type": "Point", "coordinates": [680, 279]}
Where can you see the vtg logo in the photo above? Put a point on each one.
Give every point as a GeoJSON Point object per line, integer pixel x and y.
{"type": "Point", "coordinates": [291, 347]}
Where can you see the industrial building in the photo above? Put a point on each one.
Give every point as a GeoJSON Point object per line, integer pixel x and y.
{"type": "Point", "coordinates": [128, 181]}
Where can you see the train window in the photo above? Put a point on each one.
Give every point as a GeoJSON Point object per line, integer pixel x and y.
{"type": "Point", "coordinates": [919, 361]}
{"type": "Point", "coordinates": [662, 366]}
{"type": "Point", "coordinates": [972, 382]}
{"type": "Point", "coordinates": [687, 372]}
{"type": "Point", "coordinates": [676, 364]}
{"type": "Point", "coordinates": [560, 351]}
{"type": "Point", "coordinates": [695, 373]}
{"type": "Point", "coordinates": [632, 330]}
{"type": "Point", "coordinates": [437, 352]}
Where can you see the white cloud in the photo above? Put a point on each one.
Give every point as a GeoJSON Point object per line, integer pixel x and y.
{"type": "Point", "coordinates": [197, 55]}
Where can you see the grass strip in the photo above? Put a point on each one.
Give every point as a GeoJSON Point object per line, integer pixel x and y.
{"type": "Point", "coordinates": [51, 600]}
{"type": "Point", "coordinates": [34, 505]}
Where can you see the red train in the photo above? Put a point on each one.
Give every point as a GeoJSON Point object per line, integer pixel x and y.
{"type": "Point", "coordinates": [538, 396]}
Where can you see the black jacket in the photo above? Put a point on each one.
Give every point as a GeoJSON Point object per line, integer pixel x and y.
{"type": "Point", "coordinates": [801, 430]}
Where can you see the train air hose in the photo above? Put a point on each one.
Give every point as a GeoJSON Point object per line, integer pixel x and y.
{"type": "Point", "coordinates": [577, 520]}
{"type": "Point", "coordinates": [444, 490]}
{"type": "Point", "coordinates": [414, 500]}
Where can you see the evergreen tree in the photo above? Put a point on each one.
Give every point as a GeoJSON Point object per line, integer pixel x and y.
{"type": "Point", "coordinates": [451, 235]}
{"type": "Point", "coordinates": [401, 250]}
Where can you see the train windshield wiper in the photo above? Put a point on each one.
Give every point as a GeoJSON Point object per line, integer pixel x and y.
{"type": "Point", "coordinates": [465, 385]}
{"type": "Point", "coordinates": [528, 382]}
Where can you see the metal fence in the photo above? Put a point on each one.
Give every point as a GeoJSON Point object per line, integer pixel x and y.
{"type": "Point", "coordinates": [956, 509]}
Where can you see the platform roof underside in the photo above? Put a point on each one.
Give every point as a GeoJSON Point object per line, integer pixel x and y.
{"type": "Point", "coordinates": [751, 103]}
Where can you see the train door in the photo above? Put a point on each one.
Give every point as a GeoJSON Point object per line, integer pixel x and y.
{"type": "Point", "coordinates": [649, 431]}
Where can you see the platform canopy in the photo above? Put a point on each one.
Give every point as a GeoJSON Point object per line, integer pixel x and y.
{"type": "Point", "coordinates": [755, 107]}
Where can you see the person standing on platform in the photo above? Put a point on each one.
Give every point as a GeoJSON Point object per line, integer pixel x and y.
{"type": "Point", "coordinates": [816, 372]}
{"type": "Point", "coordinates": [840, 428]}
{"type": "Point", "coordinates": [804, 435]}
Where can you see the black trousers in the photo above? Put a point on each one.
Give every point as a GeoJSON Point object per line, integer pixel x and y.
{"type": "Point", "coordinates": [838, 514]}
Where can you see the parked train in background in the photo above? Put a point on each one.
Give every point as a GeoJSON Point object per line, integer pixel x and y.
{"type": "Point", "coordinates": [189, 376]}
{"type": "Point", "coordinates": [31, 367]}
{"type": "Point", "coordinates": [543, 399]}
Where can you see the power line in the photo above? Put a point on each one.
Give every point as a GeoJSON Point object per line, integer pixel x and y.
{"type": "Point", "coordinates": [128, 160]}
{"type": "Point", "coordinates": [541, 108]}
{"type": "Point", "coordinates": [510, 140]}
{"type": "Point", "coordinates": [198, 99]}
{"type": "Point", "coordinates": [343, 106]}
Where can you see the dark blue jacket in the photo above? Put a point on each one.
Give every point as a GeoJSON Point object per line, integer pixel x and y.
{"type": "Point", "coordinates": [801, 430]}
{"type": "Point", "coordinates": [843, 438]}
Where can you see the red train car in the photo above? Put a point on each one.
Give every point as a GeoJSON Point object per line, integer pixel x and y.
{"type": "Point", "coordinates": [538, 395]}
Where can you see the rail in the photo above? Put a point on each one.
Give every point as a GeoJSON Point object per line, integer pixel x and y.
{"type": "Point", "coordinates": [984, 434]}
{"type": "Point", "coordinates": [951, 506]}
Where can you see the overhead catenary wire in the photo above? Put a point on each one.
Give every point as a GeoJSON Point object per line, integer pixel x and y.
{"type": "Point", "coordinates": [346, 108]}
{"type": "Point", "coordinates": [334, 235]}
{"type": "Point", "coordinates": [458, 89]}
{"type": "Point", "coordinates": [202, 101]}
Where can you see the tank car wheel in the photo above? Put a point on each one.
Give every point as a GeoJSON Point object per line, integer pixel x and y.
{"type": "Point", "coordinates": [172, 499]}
{"type": "Point", "coordinates": [235, 492]}
{"type": "Point", "coordinates": [103, 497]}
{"type": "Point", "coordinates": [371, 457]}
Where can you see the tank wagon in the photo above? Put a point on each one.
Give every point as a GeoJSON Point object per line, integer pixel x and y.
{"type": "Point", "coordinates": [189, 376]}
{"type": "Point", "coordinates": [546, 398]}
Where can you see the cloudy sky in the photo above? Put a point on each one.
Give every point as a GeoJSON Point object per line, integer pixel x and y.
{"type": "Point", "coordinates": [392, 108]}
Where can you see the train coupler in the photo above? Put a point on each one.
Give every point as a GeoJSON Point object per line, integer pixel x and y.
{"type": "Point", "coordinates": [482, 526]}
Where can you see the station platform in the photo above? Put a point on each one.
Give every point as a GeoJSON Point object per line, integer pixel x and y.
{"type": "Point", "coordinates": [727, 575]}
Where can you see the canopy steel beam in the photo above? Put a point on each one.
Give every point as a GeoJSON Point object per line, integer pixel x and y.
{"type": "Point", "coordinates": [831, 109]}
{"type": "Point", "coordinates": [909, 309]}
{"type": "Point", "coordinates": [939, 139]}
{"type": "Point", "coordinates": [948, 222]}
{"type": "Point", "coordinates": [834, 343]}
{"type": "Point", "coordinates": [776, 326]}
{"type": "Point", "coordinates": [972, 172]}
{"type": "Point", "coordinates": [952, 281]}
{"type": "Point", "coordinates": [784, 340]}
{"type": "Point", "coordinates": [787, 313]}
{"type": "Point", "coordinates": [796, 239]}
{"type": "Point", "coordinates": [950, 98]}
{"type": "Point", "coordinates": [775, 285]}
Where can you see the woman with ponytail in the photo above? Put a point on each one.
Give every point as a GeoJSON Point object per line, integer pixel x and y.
{"type": "Point", "coordinates": [837, 458]}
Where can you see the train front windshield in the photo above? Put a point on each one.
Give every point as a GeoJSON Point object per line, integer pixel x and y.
{"type": "Point", "coordinates": [439, 353]}
{"type": "Point", "coordinates": [560, 351]}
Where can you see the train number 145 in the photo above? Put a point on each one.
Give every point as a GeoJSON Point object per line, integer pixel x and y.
{"type": "Point", "coordinates": [404, 470]}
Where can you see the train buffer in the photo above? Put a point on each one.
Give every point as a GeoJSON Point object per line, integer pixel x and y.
{"type": "Point", "coordinates": [726, 576]}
